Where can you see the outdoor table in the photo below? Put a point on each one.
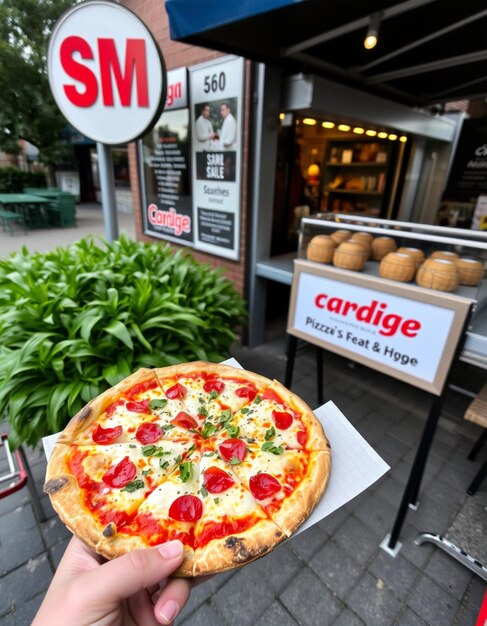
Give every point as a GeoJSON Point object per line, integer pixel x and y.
{"type": "Point", "coordinates": [32, 207]}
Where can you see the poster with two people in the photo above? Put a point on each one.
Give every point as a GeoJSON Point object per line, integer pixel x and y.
{"type": "Point", "coordinates": [216, 118]}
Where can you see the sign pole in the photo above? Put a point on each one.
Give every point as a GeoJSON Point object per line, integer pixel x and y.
{"type": "Point", "coordinates": [96, 97]}
{"type": "Point", "coordinates": [107, 184]}
{"type": "Point", "coordinates": [410, 496]}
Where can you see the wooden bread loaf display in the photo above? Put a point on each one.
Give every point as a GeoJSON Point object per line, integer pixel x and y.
{"type": "Point", "coordinates": [320, 249]}
{"type": "Point", "coordinates": [439, 274]}
{"type": "Point", "coordinates": [398, 266]}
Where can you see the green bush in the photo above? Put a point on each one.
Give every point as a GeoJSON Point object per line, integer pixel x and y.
{"type": "Point", "coordinates": [79, 319]}
{"type": "Point", "coordinates": [13, 180]}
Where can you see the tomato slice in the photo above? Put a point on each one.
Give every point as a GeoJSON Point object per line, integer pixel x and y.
{"type": "Point", "coordinates": [110, 410]}
{"type": "Point", "coordinates": [217, 480]}
{"type": "Point", "coordinates": [246, 392]}
{"type": "Point", "coordinates": [138, 407]}
{"type": "Point", "coordinates": [121, 474]}
{"type": "Point", "coordinates": [141, 387]}
{"type": "Point", "coordinates": [270, 394]}
{"type": "Point", "coordinates": [302, 437]}
{"type": "Point", "coordinates": [176, 391]}
{"type": "Point", "coordinates": [263, 485]}
{"type": "Point", "coordinates": [214, 385]}
{"type": "Point", "coordinates": [148, 432]}
{"type": "Point", "coordinates": [233, 449]}
{"type": "Point", "coordinates": [104, 436]}
{"type": "Point", "coordinates": [186, 509]}
{"type": "Point", "coordinates": [184, 420]}
{"type": "Point", "coordinates": [282, 419]}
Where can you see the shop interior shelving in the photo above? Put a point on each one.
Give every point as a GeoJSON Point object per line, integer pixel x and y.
{"type": "Point", "coordinates": [355, 173]}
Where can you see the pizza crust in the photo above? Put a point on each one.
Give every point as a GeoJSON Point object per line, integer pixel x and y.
{"type": "Point", "coordinates": [297, 507]}
{"type": "Point", "coordinates": [87, 415]}
{"type": "Point", "coordinates": [210, 369]}
{"type": "Point", "coordinates": [140, 376]}
{"type": "Point", "coordinates": [66, 499]}
{"type": "Point", "coordinates": [112, 544]}
{"type": "Point", "coordinates": [223, 554]}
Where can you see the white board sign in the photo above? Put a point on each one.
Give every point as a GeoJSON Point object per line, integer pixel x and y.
{"type": "Point", "coordinates": [216, 114]}
{"type": "Point", "coordinates": [106, 72]}
{"type": "Point", "coordinates": [402, 330]}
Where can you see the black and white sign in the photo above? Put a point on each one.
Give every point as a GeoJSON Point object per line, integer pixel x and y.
{"type": "Point", "coordinates": [216, 125]}
{"type": "Point", "coordinates": [468, 175]}
{"type": "Point", "coordinates": [106, 72]}
{"type": "Point", "coordinates": [165, 153]}
{"type": "Point", "coordinates": [401, 330]}
{"type": "Point", "coordinates": [168, 211]}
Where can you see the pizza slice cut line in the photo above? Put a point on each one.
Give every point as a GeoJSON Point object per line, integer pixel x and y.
{"type": "Point", "coordinates": [285, 483]}
{"type": "Point", "coordinates": [234, 529]}
{"type": "Point", "coordinates": [170, 511]}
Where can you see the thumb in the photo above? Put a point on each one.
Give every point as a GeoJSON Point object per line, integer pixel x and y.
{"type": "Point", "coordinates": [136, 570]}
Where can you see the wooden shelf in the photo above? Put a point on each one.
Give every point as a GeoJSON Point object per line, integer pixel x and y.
{"type": "Point", "coordinates": [370, 174]}
{"type": "Point", "coordinates": [355, 192]}
{"type": "Point", "coordinates": [371, 164]}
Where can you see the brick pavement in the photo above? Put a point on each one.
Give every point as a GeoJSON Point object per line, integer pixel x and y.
{"type": "Point", "coordinates": [334, 573]}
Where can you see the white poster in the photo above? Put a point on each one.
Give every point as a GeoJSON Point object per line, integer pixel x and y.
{"type": "Point", "coordinates": [216, 114]}
{"type": "Point", "coordinates": [405, 337]}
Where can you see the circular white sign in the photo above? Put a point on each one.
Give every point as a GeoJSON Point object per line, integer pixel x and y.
{"type": "Point", "coordinates": [106, 72]}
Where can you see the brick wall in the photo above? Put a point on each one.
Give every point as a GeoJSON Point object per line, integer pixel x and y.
{"type": "Point", "coordinates": [153, 13]}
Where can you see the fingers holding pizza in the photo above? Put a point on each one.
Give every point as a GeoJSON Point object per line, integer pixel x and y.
{"type": "Point", "coordinates": [224, 460]}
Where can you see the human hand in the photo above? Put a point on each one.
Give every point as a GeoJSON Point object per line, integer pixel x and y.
{"type": "Point", "coordinates": [131, 590]}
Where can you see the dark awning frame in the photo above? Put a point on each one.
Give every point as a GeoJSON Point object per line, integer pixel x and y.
{"type": "Point", "coordinates": [429, 51]}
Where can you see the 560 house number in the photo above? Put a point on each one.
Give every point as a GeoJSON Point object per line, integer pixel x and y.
{"type": "Point", "coordinates": [214, 82]}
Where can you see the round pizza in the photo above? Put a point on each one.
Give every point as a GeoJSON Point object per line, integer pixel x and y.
{"type": "Point", "coordinates": [225, 460]}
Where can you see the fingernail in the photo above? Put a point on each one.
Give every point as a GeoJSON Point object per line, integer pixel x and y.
{"type": "Point", "coordinates": [171, 549]}
{"type": "Point", "coordinates": [169, 611]}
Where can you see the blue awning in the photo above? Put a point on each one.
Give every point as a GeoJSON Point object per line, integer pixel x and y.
{"type": "Point", "coordinates": [428, 51]}
{"type": "Point", "coordinates": [192, 17]}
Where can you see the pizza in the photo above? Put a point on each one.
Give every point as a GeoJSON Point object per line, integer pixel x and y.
{"type": "Point", "coordinates": [225, 460]}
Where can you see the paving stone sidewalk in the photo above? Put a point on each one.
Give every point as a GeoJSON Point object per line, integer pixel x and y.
{"type": "Point", "coordinates": [334, 573]}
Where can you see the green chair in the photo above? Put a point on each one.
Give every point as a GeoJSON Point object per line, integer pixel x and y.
{"type": "Point", "coordinates": [62, 211]}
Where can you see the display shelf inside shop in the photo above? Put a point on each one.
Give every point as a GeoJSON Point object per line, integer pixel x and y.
{"type": "Point", "coordinates": [429, 239]}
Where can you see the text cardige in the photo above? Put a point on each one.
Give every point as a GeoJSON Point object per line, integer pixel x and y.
{"type": "Point", "coordinates": [374, 313]}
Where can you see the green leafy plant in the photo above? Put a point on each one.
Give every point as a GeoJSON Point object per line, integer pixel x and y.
{"type": "Point", "coordinates": [77, 320]}
{"type": "Point", "coordinates": [13, 180]}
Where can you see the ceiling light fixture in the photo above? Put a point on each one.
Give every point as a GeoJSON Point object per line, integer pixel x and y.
{"type": "Point", "coordinates": [328, 124]}
{"type": "Point", "coordinates": [309, 121]}
{"type": "Point", "coordinates": [392, 137]}
{"type": "Point", "coordinates": [371, 132]}
{"type": "Point", "coordinates": [371, 38]}
{"type": "Point", "coordinates": [343, 127]}
{"type": "Point", "coordinates": [358, 131]}
{"type": "Point", "coordinates": [403, 138]}
{"type": "Point", "coordinates": [382, 135]}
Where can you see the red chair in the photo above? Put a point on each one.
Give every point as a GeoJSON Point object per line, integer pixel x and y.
{"type": "Point", "coordinates": [18, 475]}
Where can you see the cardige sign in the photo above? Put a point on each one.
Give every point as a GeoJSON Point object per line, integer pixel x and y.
{"type": "Point", "coordinates": [106, 72]}
{"type": "Point", "coordinates": [402, 330]}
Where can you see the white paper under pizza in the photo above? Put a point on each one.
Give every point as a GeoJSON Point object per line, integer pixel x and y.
{"type": "Point", "coordinates": [355, 466]}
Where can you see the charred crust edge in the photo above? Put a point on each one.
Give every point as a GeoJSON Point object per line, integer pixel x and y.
{"type": "Point", "coordinates": [240, 552]}
{"type": "Point", "coordinates": [55, 484]}
{"type": "Point", "coordinates": [109, 530]}
{"type": "Point", "coordinates": [84, 413]}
